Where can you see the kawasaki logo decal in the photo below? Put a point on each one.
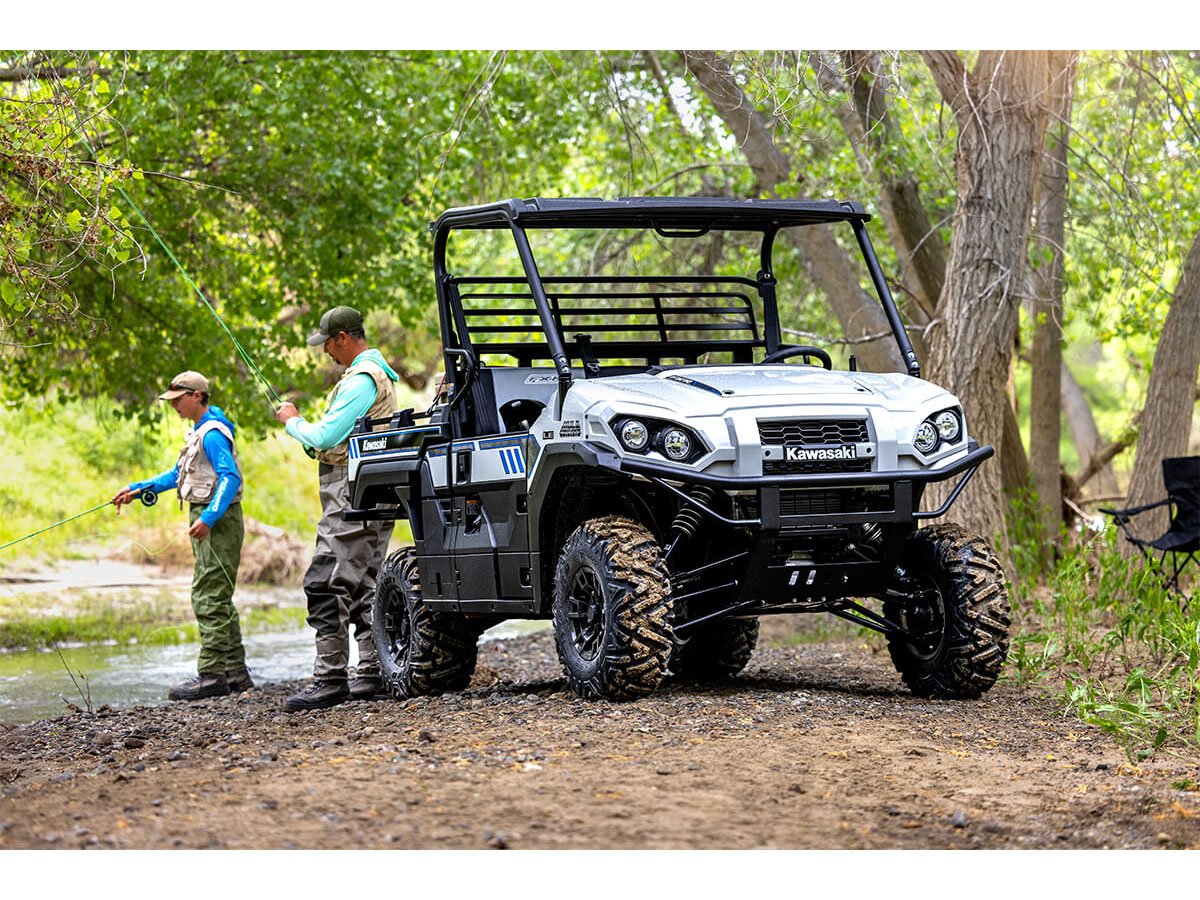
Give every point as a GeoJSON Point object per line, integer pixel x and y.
{"type": "Point", "coordinates": [806, 454]}
{"type": "Point", "coordinates": [377, 444]}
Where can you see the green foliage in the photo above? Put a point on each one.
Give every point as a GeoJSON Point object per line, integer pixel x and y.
{"type": "Point", "coordinates": [1124, 650]}
{"type": "Point", "coordinates": [62, 458]}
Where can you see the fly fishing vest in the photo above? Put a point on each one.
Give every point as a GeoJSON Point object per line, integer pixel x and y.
{"type": "Point", "coordinates": [197, 477]}
{"type": "Point", "coordinates": [384, 405]}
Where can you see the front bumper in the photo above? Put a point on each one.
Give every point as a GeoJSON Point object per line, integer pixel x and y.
{"type": "Point", "coordinates": [786, 501]}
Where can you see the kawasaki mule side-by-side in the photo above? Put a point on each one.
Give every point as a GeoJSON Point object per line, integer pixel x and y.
{"type": "Point", "coordinates": [643, 459]}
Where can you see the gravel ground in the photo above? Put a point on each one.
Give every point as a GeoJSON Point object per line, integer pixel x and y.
{"type": "Point", "coordinates": [814, 746]}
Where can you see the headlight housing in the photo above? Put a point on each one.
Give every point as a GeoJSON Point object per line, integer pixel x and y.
{"type": "Point", "coordinates": [634, 435]}
{"type": "Point", "coordinates": [675, 442]}
{"type": "Point", "coordinates": [926, 438]}
{"type": "Point", "coordinates": [943, 427]}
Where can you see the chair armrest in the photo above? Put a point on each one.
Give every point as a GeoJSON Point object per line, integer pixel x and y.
{"type": "Point", "coordinates": [1123, 514]}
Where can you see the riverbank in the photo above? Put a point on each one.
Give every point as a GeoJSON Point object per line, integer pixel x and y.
{"type": "Point", "coordinates": [816, 746]}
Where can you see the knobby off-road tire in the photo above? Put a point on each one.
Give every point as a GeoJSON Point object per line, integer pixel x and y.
{"type": "Point", "coordinates": [715, 651]}
{"type": "Point", "coordinates": [421, 652]}
{"type": "Point", "coordinates": [973, 619]}
{"type": "Point", "coordinates": [612, 610]}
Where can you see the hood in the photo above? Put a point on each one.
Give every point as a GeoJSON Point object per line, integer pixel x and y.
{"type": "Point", "coordinates": [215, 412]}
{"type": "Point", "coordinates": [718, 389]}
{"type": "Point", "coordinates": [375, 356]}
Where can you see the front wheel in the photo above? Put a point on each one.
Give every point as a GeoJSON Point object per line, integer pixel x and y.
{"type": "Point", "coordinates": [956, 616]}
{"type": "Point", "coordinates": [421, 652]}
{"type": "Point", "coordinates": [612, 610]}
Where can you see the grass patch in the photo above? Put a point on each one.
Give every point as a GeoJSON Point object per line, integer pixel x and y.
{"type": "Point", "coordinates": [63, 458]}
{"type": "Point", "coordinates": [162, 619]}
{"type": "Point", "coordinates": [1122, 652]}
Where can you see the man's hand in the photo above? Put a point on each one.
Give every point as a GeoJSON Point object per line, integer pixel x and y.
{"type": "Point", "coordinates": [286, 411]}
{"type": "Point", "coordinates": [199, 530]}
{"type": "Point", "coordinates": [123, 496]}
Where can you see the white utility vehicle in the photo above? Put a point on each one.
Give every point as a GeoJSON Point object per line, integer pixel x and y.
{"type": "Point", "coordinates": [633, 457]}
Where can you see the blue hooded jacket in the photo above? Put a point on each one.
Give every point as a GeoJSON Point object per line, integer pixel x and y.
{"type": "Point", "coordinates": [219, 451]}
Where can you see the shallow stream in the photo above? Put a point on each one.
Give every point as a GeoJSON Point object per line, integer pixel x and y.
{"type": "Point", "coordinates": [37, 685]}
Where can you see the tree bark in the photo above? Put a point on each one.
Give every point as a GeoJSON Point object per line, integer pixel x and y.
{"type": "Point", "coordinates": [1001, 121]}
{"type": "Point", "coordinates": [823, 258]}
{"type": "Point", "coordinates": [1046, 264]}
{"type": "Point", "coordinates": [1170, 396]}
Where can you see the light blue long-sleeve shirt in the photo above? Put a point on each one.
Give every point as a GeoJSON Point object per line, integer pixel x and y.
{"type": "Point", "coordinates": [353, 400]}
{"type": "Point", "coordinates": [219, 451]}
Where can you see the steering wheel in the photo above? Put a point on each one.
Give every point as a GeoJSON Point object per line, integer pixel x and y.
{"type": "Point", "coordinates": [804, 350]}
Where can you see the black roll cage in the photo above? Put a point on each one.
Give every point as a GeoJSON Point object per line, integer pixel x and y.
{"type": "Point", "coordinates": [669, 217]}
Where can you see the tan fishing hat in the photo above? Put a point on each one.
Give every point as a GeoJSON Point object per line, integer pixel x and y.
{"type": "Point", "coordinates": [184, 382]}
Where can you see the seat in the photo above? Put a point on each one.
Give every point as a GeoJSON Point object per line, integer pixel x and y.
{"type": "Point", "coordinates": [1181, 478]}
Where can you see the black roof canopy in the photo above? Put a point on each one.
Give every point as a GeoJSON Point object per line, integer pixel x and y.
{"type": "Point", "coordinates": [686, 215]}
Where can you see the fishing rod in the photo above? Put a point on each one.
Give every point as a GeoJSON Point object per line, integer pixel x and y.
{"type": "Point", "coordinates": [269, 393]}
{"type": "Point", "coordinates": [148, 496]}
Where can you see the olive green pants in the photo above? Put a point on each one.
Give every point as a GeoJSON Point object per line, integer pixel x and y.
{"type": "Point", "coordinates": [217, 558]}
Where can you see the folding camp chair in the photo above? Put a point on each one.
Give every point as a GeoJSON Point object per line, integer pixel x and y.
{"type": "Point", "coordinates": [1181, 477]}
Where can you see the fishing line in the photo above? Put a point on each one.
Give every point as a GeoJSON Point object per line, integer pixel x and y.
{"type": "Point", "coordinates": [147, 496]}
{"type": "Point", "coordinates": [269, 393]}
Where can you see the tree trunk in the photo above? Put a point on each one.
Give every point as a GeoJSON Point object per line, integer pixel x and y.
{"type": "Point", "coordinates": [823, 258]}
{"type": "Point", "coordinates": [1046, 264]}
{"type": "Point", "coordinates": [1001, 125]}
{"type": "Point", "coordinates": [1170, 396]}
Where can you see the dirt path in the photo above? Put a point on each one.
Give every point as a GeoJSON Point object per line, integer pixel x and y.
{"type": "Point", "coordinates": [814, 747]}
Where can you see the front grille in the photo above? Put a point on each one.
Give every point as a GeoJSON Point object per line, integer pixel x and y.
{"type": "Point", "coordinates": [803, 502]}
{"type": "Point", "coordinates": [823, 501]}
{"type": "Point", "coordinates": [814, 431]}
{"type": "Point", "coordinates": [814, 466]}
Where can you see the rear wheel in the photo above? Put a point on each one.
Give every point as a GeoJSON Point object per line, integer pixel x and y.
{"type": "Point", "coordinates": [612, 610]}
{"type": "Point", "coordinates": [420, 651]}
{"type": "Point", "coordinates": [715, 651]}
{"type": "Point", "coordinates": [957, 615]}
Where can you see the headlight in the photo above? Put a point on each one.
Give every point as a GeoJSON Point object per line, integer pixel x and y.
{"type": "Point", "coordinates": [635, 435]}
{"type": "Point", "coordinates": [676, 444]}
{"type": "Point", "coordinates": [947, 425]}
{"type": "Point", "coordinates": [926, 438]}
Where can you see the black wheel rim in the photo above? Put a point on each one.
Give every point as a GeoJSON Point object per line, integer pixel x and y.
{"type": "Point", "coordinates": [585, 613]}
{"type": "Point", "coordinates": [924, 618]}
{"type": "Point", "coordinates": [395, 625]}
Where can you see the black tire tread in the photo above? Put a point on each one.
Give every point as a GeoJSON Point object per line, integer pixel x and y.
{"type": "Point", "coordinates": [716, 651]}
{"type": "Point", "coordinates": [977, 612]}
{"type": "Point", "coordinates": [640, 639]}
{"type": "Point", "coordinates": [443, 648]}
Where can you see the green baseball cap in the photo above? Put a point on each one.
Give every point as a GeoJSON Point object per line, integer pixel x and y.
{"type": "Point", "coordinates": [340, 318]}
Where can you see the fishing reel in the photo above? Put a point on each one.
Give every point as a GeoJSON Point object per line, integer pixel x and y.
{"type": "Point", "coordinates": [148, 496]}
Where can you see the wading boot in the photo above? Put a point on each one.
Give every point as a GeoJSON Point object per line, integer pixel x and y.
{"type": "Point", "coordinates": [366, 687]}
{"type": "Point", "coordinates": [239, 680]}
{"type": "Point", "coordinates": [203, 685]}
{"type": "Point", "coordinates": [318, 695]}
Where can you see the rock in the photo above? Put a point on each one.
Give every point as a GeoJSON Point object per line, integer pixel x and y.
{"type": "Point", "coordinates": [959, 819]}
{"type": "Point", "coordinates": [134, 743]}
{"type": "Point", "coordinates": [495, 840]}
{"type": "Point", "coordinates": [425, 737]}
